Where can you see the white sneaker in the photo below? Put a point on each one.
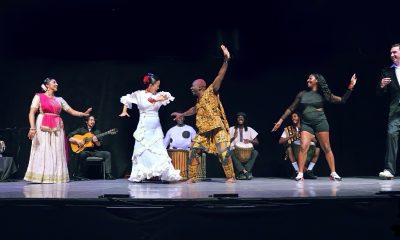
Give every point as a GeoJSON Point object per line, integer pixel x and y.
{"type": "Point", "coordinates": [386, 174]}
{"type": "Point", "coordinates": [299, 177]}
{"type": "Point", "coordinates": [335, 177]}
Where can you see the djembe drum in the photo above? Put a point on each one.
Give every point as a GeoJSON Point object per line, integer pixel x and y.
{"type": "Point", "coordinates": [243, 151]}
{"type": "Point", "coordinates": [179, 159]}
{"type": "Point", "coordinates": [296, 149]}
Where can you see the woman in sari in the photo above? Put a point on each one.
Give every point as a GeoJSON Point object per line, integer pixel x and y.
{"type": "Point", "coordinates": [48, 158]}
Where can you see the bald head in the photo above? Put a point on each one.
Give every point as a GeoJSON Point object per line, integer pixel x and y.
{"type": "Point", "coordinates": [200, 83]}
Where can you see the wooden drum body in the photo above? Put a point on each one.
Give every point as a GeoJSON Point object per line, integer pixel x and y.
{"type": "Point", "coordinates": [179, 160]}
{"type": "Point", "coordinates": [243, 151]}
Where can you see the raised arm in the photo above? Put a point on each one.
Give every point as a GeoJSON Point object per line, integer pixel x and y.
{"type": "Point", "coordinates": [221, 74]}
{"type": "Point", "coordinates": [345, 97]}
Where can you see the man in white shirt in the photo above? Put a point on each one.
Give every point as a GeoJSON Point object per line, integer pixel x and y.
{"type": "Point", "coordinates": [179, 136]}
{"type": "Point", "coordinates": [241, 133]}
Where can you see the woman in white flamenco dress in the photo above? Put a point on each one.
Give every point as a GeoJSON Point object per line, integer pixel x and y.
{"type": "Point", "coordinates": [150, 158]}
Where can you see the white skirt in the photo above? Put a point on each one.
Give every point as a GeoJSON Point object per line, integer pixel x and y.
{"type": "Point", "coordinates": [47, 162]}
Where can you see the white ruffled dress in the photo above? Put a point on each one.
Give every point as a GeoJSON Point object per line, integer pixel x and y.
{"type": "Point", "coordinates": [150, 158]}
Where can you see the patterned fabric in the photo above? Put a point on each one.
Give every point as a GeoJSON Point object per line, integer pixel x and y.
{"type": "Point", "coordinates": [292, 132]}
{"type": "Point", "coordinates": [213, 136]}
{"type": "Point", "coordinates": [210, 114]}
{"type": "Point", "coordinates": [208, 141]}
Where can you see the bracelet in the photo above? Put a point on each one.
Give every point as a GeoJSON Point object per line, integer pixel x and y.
{"type": "Point", "coordinates": [34, 129]}
{"type": "Point", "coordinates": [226, 60]}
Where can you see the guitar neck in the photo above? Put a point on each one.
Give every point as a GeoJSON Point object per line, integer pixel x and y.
{"type": "Point", "coordinates": [99, 135]}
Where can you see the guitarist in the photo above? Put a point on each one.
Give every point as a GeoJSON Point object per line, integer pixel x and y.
{"type": "Point", "coordinates": [78, 166]}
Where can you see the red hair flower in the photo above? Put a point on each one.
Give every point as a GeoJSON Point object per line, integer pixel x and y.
{"type": "Point", "coordinates": [146, 79]}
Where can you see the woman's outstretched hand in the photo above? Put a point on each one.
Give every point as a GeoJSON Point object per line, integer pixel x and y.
{"type": "Point", "coordinates": [124, 114]}
{"type": "Point", "coordinates": [87, 112]}
{"type": "Point", "coordinates": [277, 125]}
{"type": "Point", "coordinates": [353, 81]}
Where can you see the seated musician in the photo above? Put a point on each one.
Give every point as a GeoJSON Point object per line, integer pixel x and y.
{"type": "Point", "coordinates": [243, 138]}
{"type": "Point", "coordinates": [179, 136]}
{"type": "Point", "coordinates": [291, 140]}
{"type": "Point", "coordinates": [78, 166]}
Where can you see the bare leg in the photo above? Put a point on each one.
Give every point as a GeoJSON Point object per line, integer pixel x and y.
{"type": "Point", "coordinates": [315, 156]}
{"type": "Point", "coordinates": [323, 138]}
{"type": "Point", "coordinates": [290, 154]}
{"type": "Point", "coordinates": [305, 141]}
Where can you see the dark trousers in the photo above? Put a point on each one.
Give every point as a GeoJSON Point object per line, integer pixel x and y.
{"type": "Point", "coordinates": [392, 144]}
{"type": "Point", "coordinates": [240, 166]}
{"type": "Point", "coordinates": [79, 167]}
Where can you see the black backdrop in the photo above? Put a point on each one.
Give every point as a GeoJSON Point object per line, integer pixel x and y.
{"type": "Point", "coordinates": [99, 51]}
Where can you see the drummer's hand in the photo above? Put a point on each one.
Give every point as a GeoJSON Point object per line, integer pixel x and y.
{"type": "Point", "coordinates": [247, 141]}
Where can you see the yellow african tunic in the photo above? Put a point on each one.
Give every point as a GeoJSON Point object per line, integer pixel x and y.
{"type": "Point", "coordinates": [210, 114]}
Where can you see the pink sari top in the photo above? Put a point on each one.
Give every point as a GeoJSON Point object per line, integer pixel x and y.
{"type": "Point", "coordinates": [51, 109]}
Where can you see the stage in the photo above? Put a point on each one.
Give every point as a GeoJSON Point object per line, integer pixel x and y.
{"type": "Point", "coordinates": [258, 188]}
{"type": "Point", "coordinates": [265, 208]}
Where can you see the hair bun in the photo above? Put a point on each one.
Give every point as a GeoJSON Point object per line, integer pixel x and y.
{"type": "Point", "coordinates": [43, 87]}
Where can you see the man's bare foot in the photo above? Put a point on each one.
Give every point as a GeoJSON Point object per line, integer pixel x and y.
{"type": "Point", "coordinates": [231, 180]}
{"type": "Point", "coordinates": [191, 180]}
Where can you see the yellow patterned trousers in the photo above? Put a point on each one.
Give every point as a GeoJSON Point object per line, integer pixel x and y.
{"type": "Point", "coordinates": [214, 142]}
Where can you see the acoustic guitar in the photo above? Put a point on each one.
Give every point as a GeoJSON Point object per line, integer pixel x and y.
{"type": "Point", "coordinates": [87, 139]}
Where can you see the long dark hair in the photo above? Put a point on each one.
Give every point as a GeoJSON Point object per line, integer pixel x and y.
{"type": "Point", "coordinates": [150, 78]}
{"type": "Point", "coordinates": [244, 115]}
{"type": "Point", "coordinates": [323, 86]}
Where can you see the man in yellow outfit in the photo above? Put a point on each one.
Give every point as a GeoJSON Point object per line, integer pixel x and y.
{"type": "Point", "coordinates": [213, 135]}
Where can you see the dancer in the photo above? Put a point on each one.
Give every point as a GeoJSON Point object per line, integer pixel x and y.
{"type": "Point", "coordinates": [150, 158]}
{"type": "Point", "coordinates": [48, 159]}
{"type": "Point", "coordinates": [313, 119]}
{"type": "Point", "coordinates": [213, 135]}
